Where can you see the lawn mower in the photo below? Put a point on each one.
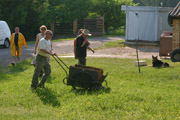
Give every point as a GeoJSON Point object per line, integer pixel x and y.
{"type": "Point", "coordinates": [81, 76]}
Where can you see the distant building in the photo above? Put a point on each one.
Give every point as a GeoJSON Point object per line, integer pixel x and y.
{"type": "Point", "coordinates": [174, 21]}
{"type": "Point", "coordinates": [146, 23]}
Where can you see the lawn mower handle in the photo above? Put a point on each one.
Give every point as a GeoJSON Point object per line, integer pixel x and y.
{"type": "Point", "coordinates": [59, 62]}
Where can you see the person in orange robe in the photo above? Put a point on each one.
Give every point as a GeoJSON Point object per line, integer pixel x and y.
{"type": "Point", "coordinates": [16, 43]}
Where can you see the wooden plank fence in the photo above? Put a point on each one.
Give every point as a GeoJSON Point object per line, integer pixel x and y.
{"type": "Point", "coordinates": [62, 28]}
{"type": "Point", "coordinates": [95, 26]}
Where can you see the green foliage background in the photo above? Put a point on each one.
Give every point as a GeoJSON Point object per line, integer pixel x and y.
{"type": "Point", "coordinates": [166, 3]}
{"type": "Point", "coordinates": [29, 15]}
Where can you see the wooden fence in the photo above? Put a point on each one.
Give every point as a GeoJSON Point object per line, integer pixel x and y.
{"type": "Point", "coordinates": [62, 28]}
{"type": "Point", "coordinates": [95, 26]}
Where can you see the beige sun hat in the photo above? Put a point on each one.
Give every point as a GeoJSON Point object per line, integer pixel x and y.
{"type": "Point", "coordinates": [86, 32]}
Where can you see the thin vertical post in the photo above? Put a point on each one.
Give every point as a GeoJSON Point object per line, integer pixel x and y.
{"type": "Point", "coordinates": [137, 40]}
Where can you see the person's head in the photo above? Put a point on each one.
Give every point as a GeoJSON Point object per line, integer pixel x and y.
{"type": "Point", "coordinates": [85, 33]}
{"type": "Point", "coordinates": [48, 34]}
{"type": "Point", "coordinates": [43, 28]}
{"type": "Point", "coordinates": [16, 29]}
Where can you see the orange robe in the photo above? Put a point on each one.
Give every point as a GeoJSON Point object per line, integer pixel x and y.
{"type": "Point", "coordinates": [21, 42]}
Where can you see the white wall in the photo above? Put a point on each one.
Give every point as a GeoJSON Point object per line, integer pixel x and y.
{"type": "Point", "coordinates": [148, 24]}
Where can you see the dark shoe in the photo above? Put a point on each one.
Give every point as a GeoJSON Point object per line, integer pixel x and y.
{"type": "Point", "coordinates": [12, 64]}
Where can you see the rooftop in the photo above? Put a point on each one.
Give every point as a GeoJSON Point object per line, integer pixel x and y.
{"type": "Point", "coordinates": [176, 11]}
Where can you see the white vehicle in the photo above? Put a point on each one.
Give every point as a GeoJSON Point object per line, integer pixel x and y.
{"type": "Point", "coordinates": [5, 34]}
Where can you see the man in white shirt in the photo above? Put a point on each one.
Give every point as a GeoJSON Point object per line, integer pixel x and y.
{"type": "Point", "coordinates": [44, 52]}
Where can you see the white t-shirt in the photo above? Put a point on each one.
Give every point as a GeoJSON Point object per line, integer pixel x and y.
{"type": "Point", "coordinates": [44, 44]}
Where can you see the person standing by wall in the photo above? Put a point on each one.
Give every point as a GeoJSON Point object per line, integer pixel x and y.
{"type": "Point", "coordinates": [44, 52]}
{"type": "Point", "coordinates": [16, 43]}
{"type": "Point", "coordinates": [81, 47]}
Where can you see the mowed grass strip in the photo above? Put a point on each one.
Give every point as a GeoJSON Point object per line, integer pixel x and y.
{"type": "Point", "coordinates": [150, 95]}
{"type": "Point", "coordinates": [118, 43]}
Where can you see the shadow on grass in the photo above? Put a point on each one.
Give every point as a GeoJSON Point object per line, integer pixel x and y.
{"type": "Point", "coordinates": [13, 70]}
{"type": "Point", "coordinates": [3, 77]}
{"type": "Point", "coordinates": [19, 67]}
{"type": "Point", "coordinates": [91, 92]}
{"type": "Point", "coordinates": [48, 97]}
{"type": "Point", "coordinates": [50, 79]}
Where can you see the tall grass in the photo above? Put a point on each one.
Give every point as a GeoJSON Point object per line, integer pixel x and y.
{"type": "Point", "coordinates": [116, 32]}
{"type": "Point", "coordinates": [150, 95]}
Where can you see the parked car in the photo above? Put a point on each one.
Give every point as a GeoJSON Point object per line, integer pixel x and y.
{"type": "Point", "coordinates": [5, 34]}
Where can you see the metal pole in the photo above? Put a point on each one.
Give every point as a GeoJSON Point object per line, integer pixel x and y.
{"type": "Point", "coordinates": [137, 54]}
{"type": "Point", "coordinates": [137, 40]}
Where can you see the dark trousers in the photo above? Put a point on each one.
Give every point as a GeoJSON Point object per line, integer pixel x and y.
{"type": "Point", "coordinates": [41, 63]}
{"type": "Point", "coordinates": [82, 61]}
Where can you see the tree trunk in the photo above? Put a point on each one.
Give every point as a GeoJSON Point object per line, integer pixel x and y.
{"type": "Point", "coordinates": [106, 28]}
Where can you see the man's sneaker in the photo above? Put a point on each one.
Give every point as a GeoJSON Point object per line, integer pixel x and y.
{"type": "Point", "coordinates": [12, 64]}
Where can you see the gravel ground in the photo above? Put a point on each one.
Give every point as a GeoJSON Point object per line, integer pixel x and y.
{"type": "Point", "coordinates": [65, 49]}
{"type": "Point", "coordinates": [128, 52]}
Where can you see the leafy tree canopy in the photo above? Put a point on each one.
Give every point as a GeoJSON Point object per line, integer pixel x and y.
{"type": "Point", "coordinates": [30, 14]}
{"type": "Point", "coordinates": [166, 3]}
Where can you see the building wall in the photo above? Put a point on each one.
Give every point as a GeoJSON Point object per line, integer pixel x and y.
{"type": "Point", "coordinates": [176, 34]}
{"type": "Point", "coordinates": [148, 25]}
{"type": "Point", "coordinates": [141, 26]}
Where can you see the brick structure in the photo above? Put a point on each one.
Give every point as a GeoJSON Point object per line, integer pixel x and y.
{"type": "Point", "coordinates": [174, 20]}
{"type": "Point", "coordinates": [176, 34]}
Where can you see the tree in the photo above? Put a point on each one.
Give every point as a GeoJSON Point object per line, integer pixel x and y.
{"type": "Point", "coordinates": [30, 14]}
{"type": "Point", "coordinates": [66, 11]}
{"type": "Point", "coordinates": [27, 14]}
{"type": "Point", "coordinates": [166, 3]}
{"type": "Point", "coordinates": [76, 9]}
{"type": "Point", "coordinates": [111, 11]}
{"type": "Point", "coordinates": [36, 16]}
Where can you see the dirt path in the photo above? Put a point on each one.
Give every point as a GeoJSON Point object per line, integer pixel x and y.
{"type": "Point", "coordinates": [65, 49]}
{"type": "Point", "coordinates": [125, 52]}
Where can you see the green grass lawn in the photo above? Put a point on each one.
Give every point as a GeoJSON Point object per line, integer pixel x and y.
{"type": "Point", "coordinates": [153, 94]}
{"type": "Point", "coordinates": [118, 43]}
{"type": "Point", "coordinates": [117, 32]}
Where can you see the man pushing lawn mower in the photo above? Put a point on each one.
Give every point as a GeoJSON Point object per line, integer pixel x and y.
{"type": "Point", "coordinates": [79, 75]}
{"type": "Point", "coordinates": [44, 52]}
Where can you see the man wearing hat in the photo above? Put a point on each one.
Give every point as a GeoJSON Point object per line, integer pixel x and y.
{"type": "Point", "coordinates": [81, 47]}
